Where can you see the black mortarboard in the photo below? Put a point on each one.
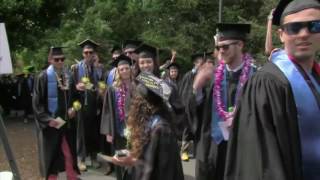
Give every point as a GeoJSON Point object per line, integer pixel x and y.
{"type": "Point", "coordinates": [88, 44]}
{"type": "Point", "coordinates": [56, 52]}
{"type": "Point", "coordinates": [173, 65]}
{"type": "Point", "coordinates": [131, 44]}
{"type": "Point", "coordinates": [150, 84]}
{"type": "Point", "coordinates": [233, 31]}
{"type": "Point", "coordinates": [116, 48]}
{"type": "Point", "coordinates": [149, 51]}
{"type": "Point", "coordinates": [287, 7]}
{"type": "Point", "coordinates": [122, 59]}
{"type": "Point", "coordinates": [202, 55]}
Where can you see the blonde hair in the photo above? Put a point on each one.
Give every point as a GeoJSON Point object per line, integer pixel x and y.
{"type": "Point", "coordinates": [118, 81]}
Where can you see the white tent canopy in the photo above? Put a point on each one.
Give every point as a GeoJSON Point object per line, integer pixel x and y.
{"type": "Point", "coordinates": [5, 58]}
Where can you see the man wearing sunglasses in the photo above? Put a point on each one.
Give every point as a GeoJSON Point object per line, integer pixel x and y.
{"type": "Point", "coordinates": [276, 134]}
{"type": "Point", "coordinates": [215, 108]}
{"type": "Point", "coordinates": [56, 128]}
{"type": "Point", "coordinates": [87, 76]}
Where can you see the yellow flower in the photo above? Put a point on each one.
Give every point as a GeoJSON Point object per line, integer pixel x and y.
{"type": "Point", "coordinates": [85, 80]}
{"type": "Point", "coordinates": [102, 85]}
{"type": "Point", "coordinates": [76, 105]}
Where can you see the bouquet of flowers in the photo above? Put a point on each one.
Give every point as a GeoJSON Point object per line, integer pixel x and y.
{"type": "Point", "coordinates": [102, 85]}
{"type": "Point", "coordinates": [76, 105]}
{"type": "Point", "coordinates": [87, 83]}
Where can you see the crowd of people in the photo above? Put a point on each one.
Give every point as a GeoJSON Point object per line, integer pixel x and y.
{"type": "Point", "coordinates": [245, 123]}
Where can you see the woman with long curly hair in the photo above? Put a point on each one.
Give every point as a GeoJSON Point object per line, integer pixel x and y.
{"type": "Point", "coordinates": [154, 152]}
{"type": "Point", "coordinates": [116, 107]}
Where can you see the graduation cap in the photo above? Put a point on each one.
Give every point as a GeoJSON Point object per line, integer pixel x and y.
{"type": "Point", "coordinates": [147, 51]}
{"type": "Point", "coordinates": [56, 52]}
{"type": "Point", "coordinates": [90, 44]}
{"type": "Point", "coordinates": [176, 65]}
{"type": "Point", "coordinates": [150, 85]}
{"type": "Point", "coordinates": [287, 7]}
{"type": "Point", "coordinates": [122, 59]}
{"type": "Point", "coordinates": [116, 48]}
{"type": "Point", "coordinates": [228, 31]}
{"type": "Point", "coordinates": [202, 55]}
{"type": "Point", "coordinates": [131, 44]}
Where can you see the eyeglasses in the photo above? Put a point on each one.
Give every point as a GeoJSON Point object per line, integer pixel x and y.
{"type": "Point", "coordinates": [88, 52]}
{"type": "Point", "coordinates": [58, 59]}
{"type": "Point", "coordinates": [295, 27]}
{"type": "Point", "coordinates": [225, 46]}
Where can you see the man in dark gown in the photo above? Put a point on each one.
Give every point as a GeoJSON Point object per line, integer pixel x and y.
{"type": "Point", "coordinates": [87, 77]}
{"type": "Point", "coordinates": [51, 103]}
{"type": "Point", "coordinates": [205, 109]}
{"type": "Point", "coordinates": [275, 134]}
{"type": "Point", "coordinates": [185, 90]}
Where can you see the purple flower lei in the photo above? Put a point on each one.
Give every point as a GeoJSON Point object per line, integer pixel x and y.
{"type": "Point", "coordinates": [121, 96]}
{"type": "Point", "coordinates": [219, 75]}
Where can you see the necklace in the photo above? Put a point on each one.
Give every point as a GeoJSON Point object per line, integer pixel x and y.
{"type": "Point", "coordinates": [63, 82]}
{"type": "Point", "coordinates": [121, 95]}
{"type": "Point", "coordinates": [219, 76]}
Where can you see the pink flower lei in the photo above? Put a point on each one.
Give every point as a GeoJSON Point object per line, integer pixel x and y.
{"type": "Point", "coordinates": [121, 96]}
{"type": "Point", "coordinates": [219, 75]}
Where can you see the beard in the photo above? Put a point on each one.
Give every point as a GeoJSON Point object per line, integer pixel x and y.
{"type": "Point", "coordinates": [303, 56]}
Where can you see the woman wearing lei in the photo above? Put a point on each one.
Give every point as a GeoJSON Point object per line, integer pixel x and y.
{"type": "Point", "coordinates": [217, 103]}
{"type": "Point", "coordinates": [116, 107]}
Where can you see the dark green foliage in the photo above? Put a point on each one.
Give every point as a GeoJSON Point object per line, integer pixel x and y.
{"type": "Point", "coordinates": [185, 25]}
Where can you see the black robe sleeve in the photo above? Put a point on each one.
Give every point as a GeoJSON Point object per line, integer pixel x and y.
{"type": "Point", "coordinates": [161, 157]}
{"type": "Point", "coordinates": [264, 140]}
{"type": "Point", "coordinates": [39, 101]}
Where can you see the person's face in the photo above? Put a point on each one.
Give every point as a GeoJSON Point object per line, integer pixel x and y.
{"type": "Point", "coordinates": [173, 73]}
{"type": "Point", "coordinates": [57, 62]}
{"type": "Point", "coordinates": [198, 62]}
{"type": "Point", "coordinates": [124, 71]}
{"type": "Point", "coordinates": [115, 55]}
{"type": "Point", "coordinates": [146, 65]}
{"type": "Point", "coordinates": [87, 54]}
{"type": "Point", "coordinates": [229, 50]}
{"type": "Point", "coordinates": [129, 52]}
{"type": "Point", "coordinates": [301, 44]}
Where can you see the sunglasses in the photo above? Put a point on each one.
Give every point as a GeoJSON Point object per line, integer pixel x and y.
{"type": "Point", "coordinates": [58, 59]}
{"type": "Point", "coordinates": [225, 46]}
{"type": "Point", "coordinates": [295, 27]}
{"type": "Point", "coordinates": [88, 52]}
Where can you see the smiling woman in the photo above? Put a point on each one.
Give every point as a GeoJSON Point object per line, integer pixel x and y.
{"type": "Point", "coordinates": [147, 60]}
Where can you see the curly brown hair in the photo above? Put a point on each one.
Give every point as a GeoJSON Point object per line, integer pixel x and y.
{"type": "Point", "coordinates": [140, 112]}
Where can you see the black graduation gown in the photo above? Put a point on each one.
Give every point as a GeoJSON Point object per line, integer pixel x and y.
{"type": "Point", "coordinates": [160, 159]}
{"type": "Point", "coordinates": [265, 140]}
{"type": "Point", "coordinates": [200, 115]}
{"type": "Point", "coordinates": [109, 118]}
{"type": "Point", "coordinates": [185, 91]}
{"type": "Point", "coordinates": [88, 117]}
{"type": "Point", "coordinates": [24, 97]}
{"type": "Point", "coordinates": [49, 138]}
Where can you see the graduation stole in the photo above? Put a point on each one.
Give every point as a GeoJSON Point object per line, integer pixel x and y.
{"type": "Point", "coordinates": [153, 121]}
{"type": "Point", "coordinates": [52, 90]}
{"type": "Point", "coordinates": [216, 131]}
{"type": "Point", "coordinates": [306, 104]}
{"type": "Point", "coordinates": [83, 72]}
{"type": "Point", "coordinates": [110, 77]}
